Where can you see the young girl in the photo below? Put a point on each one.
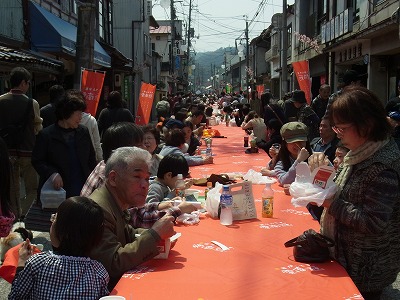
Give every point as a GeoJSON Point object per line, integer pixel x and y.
{"type": "Point", "coordinates": [68, 272]}
{"type": "Point", "coordinates": [295, 148]}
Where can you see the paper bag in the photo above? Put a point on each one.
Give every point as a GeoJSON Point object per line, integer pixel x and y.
{"type": "Point", "coordinates": [243, 207]}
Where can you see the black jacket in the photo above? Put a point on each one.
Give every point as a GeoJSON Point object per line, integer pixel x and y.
{"type": "Point", "coordinates": [51, 155]}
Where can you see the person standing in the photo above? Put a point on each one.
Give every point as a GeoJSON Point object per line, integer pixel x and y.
{"type": "Point", "coordinates": [113, 113]}
{"type": "Point", "coordinates": [320, 102]}
{"type": "Point", "coordinates": [64, 151]}
{"type": "Point", "coordinates": [305, 114]}
{"type": "Point", "coordinates": [363, 217]}
{"type": "Point", "coordinates": [17, 108]}
{"type": "Point", "coordinates": [48, 112]}
{"type": "Point", "coordinates": [163, 109]}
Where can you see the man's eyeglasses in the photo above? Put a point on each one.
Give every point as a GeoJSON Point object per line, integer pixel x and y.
{"type": "Point", "coordinates": [340, 130]}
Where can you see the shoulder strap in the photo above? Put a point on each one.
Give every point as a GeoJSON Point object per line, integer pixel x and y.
{"type": "Point", "coordinates": [276, 115]}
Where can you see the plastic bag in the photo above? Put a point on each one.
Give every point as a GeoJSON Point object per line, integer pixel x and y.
{"type": "Point", "coordinates": [212, 201]}
{"type": "Point", "coordinates": [189, 219]}
{"type": "Point", "coordinates": [257, 177]}
{"type": "Point", "coordinates": [50, 197]}
{"type": "Point", "coordinates": [315, 187]}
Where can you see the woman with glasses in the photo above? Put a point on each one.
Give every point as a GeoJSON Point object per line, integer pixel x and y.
{"type": "Point", "coordinates": [364, 215]}
{"type": "Point", "coordinates": [67, 272]}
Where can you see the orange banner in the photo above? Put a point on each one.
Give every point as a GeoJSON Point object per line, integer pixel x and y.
{"type": "Point", "coordinates": [302, 72]}
{"type": "Point", "coordinates": [146, 98]}
{"type": "Point", "coordinates": [260, 89]}
{"type": "Point", "coordinates": [91, 85]}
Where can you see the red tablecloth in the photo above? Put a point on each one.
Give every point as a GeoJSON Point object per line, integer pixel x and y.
{"type": "Point", "coordinates": [257, 265]}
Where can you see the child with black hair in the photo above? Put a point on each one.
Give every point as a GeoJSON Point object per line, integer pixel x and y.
{"type": "Point", "coordinates": [67, 272]}
{"type": "Point", "coordinates": [162, 187]}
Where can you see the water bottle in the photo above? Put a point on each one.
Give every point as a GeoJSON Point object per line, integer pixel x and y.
{"type": "Point", "coordinates": [180, 186]}
{"type": "Point", "coordinates": [267, 201]}
{"type": "Point", "coordinates": [208, 151]}
{"type": "Point", "coordinates": [226, 202]}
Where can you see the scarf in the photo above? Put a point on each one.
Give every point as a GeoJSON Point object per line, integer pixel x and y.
{"type": "Point", "coordinates": [353, 157]}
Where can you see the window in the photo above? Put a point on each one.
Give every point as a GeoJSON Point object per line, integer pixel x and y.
{"type": "Point", "coordinates": [105, 20]}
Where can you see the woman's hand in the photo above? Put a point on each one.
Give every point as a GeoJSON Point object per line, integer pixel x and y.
{"type": "Point", "coordinates": [57, 182]}
{"type": "Point", "coordinates": [302, 155]}
{"type": "Point", "coordinates": [317, 159]}
{"type": "Point", "coordinates": [24, 253]}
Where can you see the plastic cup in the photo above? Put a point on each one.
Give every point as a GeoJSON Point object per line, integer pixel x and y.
{"type": "Point", "coordinates": [245, 141]}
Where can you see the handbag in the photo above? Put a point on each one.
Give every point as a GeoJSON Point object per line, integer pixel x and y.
{"type": "Point", "coordinates": [310, 246]}
{"type": "Point", "coordinates": [221, 178]}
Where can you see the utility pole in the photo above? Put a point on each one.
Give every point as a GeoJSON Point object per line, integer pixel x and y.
{"type": "Point", "coordinates": [188, 32]}
{"type": "Point", "coordinates": [84, 55]}
{"type": "Point", "coordinates": [247, 59]}
{"type": "Point", "coordinates": [172, 56]}
{"type": "Point", "coordinates": [284, 50]}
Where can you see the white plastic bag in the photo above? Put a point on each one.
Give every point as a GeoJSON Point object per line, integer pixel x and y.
{"type": "Point", "coordinates": [212, 201]}
{"type": "Point", "coordinates": [49, 196]}
{"type": "Point", "coordinates": [315, 187]}
{"type": "Point", "coordinates": [257, 177]}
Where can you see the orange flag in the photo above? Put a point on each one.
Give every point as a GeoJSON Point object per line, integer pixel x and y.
{"type": "Point", "coordinates": [146, 98]}
{"type": "Point", "coordinates": [91, 85]}
{"type": "Point", "coordinates": [302, 72]}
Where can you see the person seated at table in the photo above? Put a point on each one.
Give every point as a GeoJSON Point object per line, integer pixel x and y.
{"type": "Point", "coordinates": [162, 188]}
{"type": "Point", "coordinates": [327, 141]}
{"type": "Point", "coordinates": [256, 124]}
{"type": "Point", "coordinates": [196, 118]}
{"type": "Point", "coordinates": [127, 182]}
{"type": "Point", "coordinates": [175, 144]}
{"type": "Point", "coordinates": [340, 153]}
{"type": "Point", "coordinates": [190, 139]}
{"type": "Point", "coordinates": [67, 272]}
{"type": "Point", "coordinates": [274, 138]}
{"type": "Point", "coordinates": [295, 148]}
{"type": "Point", "coordinates": [151, 139]}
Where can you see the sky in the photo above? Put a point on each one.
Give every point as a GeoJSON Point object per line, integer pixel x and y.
{"type": "Point", "coordinates": [217, 23]}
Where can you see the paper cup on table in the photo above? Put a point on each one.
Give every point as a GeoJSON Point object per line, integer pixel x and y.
{"type": "Point", "coordinates": [112, 297]}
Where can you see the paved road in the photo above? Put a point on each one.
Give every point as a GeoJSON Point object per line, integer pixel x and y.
{"type": "Point", "coordinates": [391, 293]}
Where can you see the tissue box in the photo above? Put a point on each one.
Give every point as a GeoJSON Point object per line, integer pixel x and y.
{"type": "Point", "coordinates": [165, 245]}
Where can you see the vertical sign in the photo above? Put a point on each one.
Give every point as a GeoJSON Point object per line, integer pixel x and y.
{"type": "Point", "coordinates": [146, 97]}
{"type": "Point", "coordinates": [91, 85]}
{"type": "Point", "coordinates": [302, 72]}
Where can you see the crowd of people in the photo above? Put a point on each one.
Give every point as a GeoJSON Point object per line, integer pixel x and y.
{"type": "Point", "coordinates": [119, 178]}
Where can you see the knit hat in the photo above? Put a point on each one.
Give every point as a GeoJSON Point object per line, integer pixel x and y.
{"type": "Point", "coordinates": [299, 96]}
{"type": "Point", "coordinates": [172, 123]}
{"type": "Point", "coordinates": [294, 132]}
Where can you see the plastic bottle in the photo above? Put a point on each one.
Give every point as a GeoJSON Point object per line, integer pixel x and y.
{"type": "Point", "coordinates": [180, 186]}
{"type": "Point", "coordinates": [208, 151]}
{"type": "Point", "coordinates": [209, 187]}
{"type": "Point", "coordinates": [226, 201]}
{"type": "Point", "coordinates": [267, 201]}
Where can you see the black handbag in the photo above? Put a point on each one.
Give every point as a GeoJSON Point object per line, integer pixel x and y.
{"type": "Point", "coordinates": [310, 246]}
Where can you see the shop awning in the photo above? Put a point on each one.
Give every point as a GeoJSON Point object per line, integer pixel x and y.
{"type": "Point", "coordinates": [49, 33]}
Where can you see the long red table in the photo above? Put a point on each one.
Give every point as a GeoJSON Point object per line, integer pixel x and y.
{"type": "Point", "coordinates": [256, 266]}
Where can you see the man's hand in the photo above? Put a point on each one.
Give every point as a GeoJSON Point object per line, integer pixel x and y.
{"type": "Point", "coordinates": [164, 226]}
